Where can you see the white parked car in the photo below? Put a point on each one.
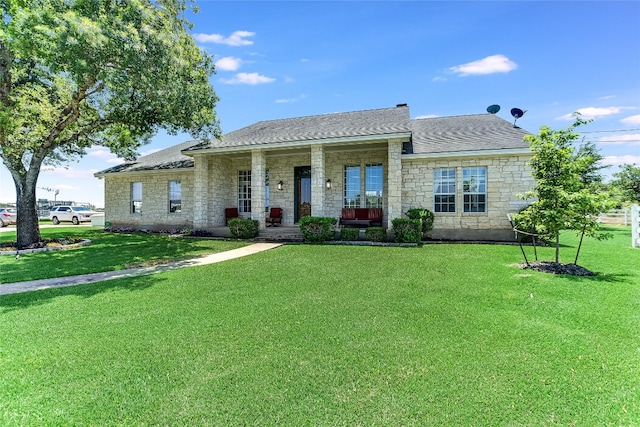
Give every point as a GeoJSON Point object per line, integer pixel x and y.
{"type": "Point", "coordinates": [8, 216]}
{"type": "Point", "coordinates": [75, 214]}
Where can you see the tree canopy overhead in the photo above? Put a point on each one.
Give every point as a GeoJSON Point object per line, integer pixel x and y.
{"type": "Point", "coordinates": [627, 179]}
{"type": "Point", "coordinates": [79, 73]}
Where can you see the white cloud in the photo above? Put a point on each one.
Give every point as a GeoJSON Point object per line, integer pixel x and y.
{"type": "Point", "coordinates": [101, 153]}
{"type": "Point", "coordinates": [427, 116]}
{"type": "Point", "coordinates": [607, 97]}
{"type": "Point", "coordinates": [632, 120]}
{"type": "Point", "coordinates": [237, 38]}
{"type": "Point", "coordinates": [489, 65]}
{"type": "Point", "coordinates": [248, 79]}
{"type": "Point", "coordinates": [620, 160]}
{"type": "Point", "coordinates": [105, 155]}
{"type": "Point", "coordinates": [290, 100]}
{"type": "Point", "coordinates": [228, 63]}
{"type": "Point", "coordinates": [632, 139]}
{"type": "Point", "coordinates": [69, 172]}
{"type": "Point", "coordinates": [439, 79]}
{"type": "Point", "coordinates": [594, 112]}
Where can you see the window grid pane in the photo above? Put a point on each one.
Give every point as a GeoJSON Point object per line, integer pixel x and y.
{"type": "Point", "coordinates": [474, 183]}
{"type": "Point", "coordinates": [136, 197]}
{"type": "Point", "coordinates": [352, 186]}
{"type": "Point", "coordinates": [373, 185]}
{"type": "Point", "coordinates": [175, 196]}
{"type": "Point", "coordinates": [444, 190]}
{"type": "Point", "coordinates": [244, 191]}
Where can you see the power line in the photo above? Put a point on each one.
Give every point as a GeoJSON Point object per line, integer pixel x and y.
{"type": "Point", "coordinates": [619, 130]}
{"type": "Point", "coordinates": [619, 140]}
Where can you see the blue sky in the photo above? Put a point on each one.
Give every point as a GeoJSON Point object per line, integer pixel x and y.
{"type": "Point", "coordinates": [297, 58]}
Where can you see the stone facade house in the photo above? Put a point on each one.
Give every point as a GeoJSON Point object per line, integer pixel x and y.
{"type": "Point", "coordinates": [468, 170]}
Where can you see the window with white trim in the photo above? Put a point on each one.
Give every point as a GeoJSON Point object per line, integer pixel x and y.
{"type": "Point", "coordinates": [136, 197]}
{"type": "Point", "coordinates": [351, 186]}
{"type": "Point", "coordinates": [175, 196]}
{"type": "Point", "coordinates": [474, 189]}
{"type": "Point", "coordinates": [373, 185]}
{"type": "Point", "coordinates": [444, 190]}
{"type": "Point", "coordinates": [244, 191]}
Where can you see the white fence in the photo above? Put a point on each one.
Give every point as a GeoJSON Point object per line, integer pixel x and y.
{"type": "Point", "coordinates": [635, 226]}
{"type": "Point", "coordinates": [616, 217]}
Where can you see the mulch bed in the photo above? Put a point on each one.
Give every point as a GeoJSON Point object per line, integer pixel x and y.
{"type": "Point", "coordinates": [44, 243]}
{"type": "Point", "coordinates": [557, 268]}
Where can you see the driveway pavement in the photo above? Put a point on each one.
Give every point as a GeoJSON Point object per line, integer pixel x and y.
{"type": "Point", "coordinates": [59, 282]}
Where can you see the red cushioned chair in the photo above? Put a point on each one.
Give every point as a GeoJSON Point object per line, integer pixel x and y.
{"type": "Point", "coordinates": [275, 216]}
{"type": "Point", "coordinates": [230, 213]}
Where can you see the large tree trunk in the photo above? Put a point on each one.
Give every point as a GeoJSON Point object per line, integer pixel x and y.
{"type": "Point", "coordinates": [28, 230]}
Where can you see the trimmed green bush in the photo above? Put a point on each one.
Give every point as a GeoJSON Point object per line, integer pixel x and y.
{"type": "Point", "coordinates": [349, 233]}
{"type": "Point", "coordinates": [425, 216]}
{"type": "Point", "coordinates": [376, 234]}
{"type": "Point", "coordinates": [241, 228]}
{"type": "Point", "coordinates": [407, 230]}
{"type": "Point", "coordinates": [317, 229]}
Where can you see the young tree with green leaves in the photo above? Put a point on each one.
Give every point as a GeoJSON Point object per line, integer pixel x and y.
{"type": "Point", "coordinates": [80, 73]}
{"type": "Point", "coordinates": [561, 196]}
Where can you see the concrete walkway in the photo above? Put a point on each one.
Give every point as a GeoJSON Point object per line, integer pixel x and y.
{"type": "Point", "coordinates": [60, 282]}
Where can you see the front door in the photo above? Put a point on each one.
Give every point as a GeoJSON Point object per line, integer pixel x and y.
{"type": "Point", "coordinates": [302, 196]}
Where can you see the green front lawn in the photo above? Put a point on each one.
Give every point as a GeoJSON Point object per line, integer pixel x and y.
{"type": "Point", "coordinates": [334, 335]}
{"type": "Point", "coordinates": [107, 252]}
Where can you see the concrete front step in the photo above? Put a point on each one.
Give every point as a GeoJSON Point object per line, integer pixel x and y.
{"type": "Point", "coordinates": [280, 234]}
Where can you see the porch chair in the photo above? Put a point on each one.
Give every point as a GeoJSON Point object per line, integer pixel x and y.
{"type": "Point", "coordinates": [275, 217]}
{"type": "Point", "coordinates": [230, 213]}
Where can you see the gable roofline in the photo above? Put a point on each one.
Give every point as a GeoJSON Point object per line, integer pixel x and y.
{"type": "Point", "coordinates": [317, 129]}
{"type": "Point", "coordinates": [434, 137]}
{"type": "Point", "coordinates": [163, 160]}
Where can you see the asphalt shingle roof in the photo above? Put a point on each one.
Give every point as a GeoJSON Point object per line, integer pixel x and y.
{"type": "Point", "coordinates": [465, 133]}
{"type": "Point", "coordinates": [429, 136]}
{"type": "Point", "coordinates": [169, 158]}
{"type": "Point", "coordinates": [312, 128]}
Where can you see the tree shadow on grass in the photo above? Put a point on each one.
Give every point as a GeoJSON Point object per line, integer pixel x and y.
{"type": "Point", "coordinates": [604, 278]}
{"type": "Point", "coordinates": [29, 299]}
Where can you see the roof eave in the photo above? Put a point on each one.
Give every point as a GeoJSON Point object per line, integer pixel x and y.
{"type": "Point", "coordinates": [141, 171]}
{"type": "Point", "coordinates": [470, 153]}
{"type": "Point", "coordinates": [302, 143]}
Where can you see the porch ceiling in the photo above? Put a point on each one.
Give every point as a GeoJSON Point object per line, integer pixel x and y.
{"type": "Point", "coordinates": [292, 151]}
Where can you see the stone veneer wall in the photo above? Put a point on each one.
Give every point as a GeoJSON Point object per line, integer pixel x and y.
{"type": "Point", "coordinates": [506, 177]}
{"type": "Point", "coordinates": [155, 213]}
{"type": "Point", "coordinates": [281, 168]}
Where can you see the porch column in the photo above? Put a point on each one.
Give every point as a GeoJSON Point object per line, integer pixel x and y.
{"type": "Point", "coordinates": [317, 180]}
{"type": "Point", "coordinates": [258, 170]}
{"type": "Point", "coordinates": [394, 181]}
{"type": "Point", "coordinates": [200, 192]}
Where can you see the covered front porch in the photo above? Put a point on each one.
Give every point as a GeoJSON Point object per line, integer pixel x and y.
{"type": "Point", "coordinates": [306, 179]}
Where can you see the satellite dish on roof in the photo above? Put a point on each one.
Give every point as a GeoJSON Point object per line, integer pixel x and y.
{"type": "Point", "coordinates": [492, 109]}
{"type": "Point", "coordinates": [517, 113]}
